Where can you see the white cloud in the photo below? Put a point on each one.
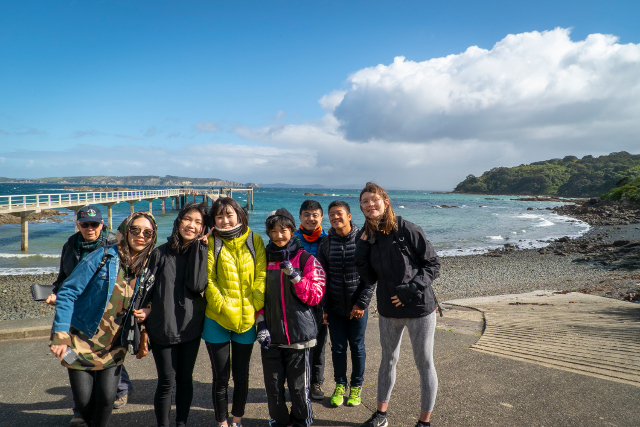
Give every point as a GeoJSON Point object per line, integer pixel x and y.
{"type": "Point", "coordinates": [531, 86]}
{"type": "Point", "coordinates": [236, 162]}
{"type": "Point", "coordinates": [202, 127]}
{"type": "Point", "coordinates": [281, 114]}
{"type": "Point", "coordinates": [151, 132]}
{"type": "Point", "coordinates": [426, 125]}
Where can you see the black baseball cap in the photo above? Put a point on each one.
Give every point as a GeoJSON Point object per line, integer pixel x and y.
{"type": "Point", "coordinates": [89, 214]}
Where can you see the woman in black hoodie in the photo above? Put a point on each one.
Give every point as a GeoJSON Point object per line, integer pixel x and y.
{"type": "Point", "coordinates": [396, 254]}
{"type": "Point", "coordinates": [176, 319]}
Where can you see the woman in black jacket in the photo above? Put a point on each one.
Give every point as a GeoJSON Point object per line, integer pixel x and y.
{"type": "Point", "coordinates": [175, 322]}
{"type": "Point", "coordinates": [396, 254]}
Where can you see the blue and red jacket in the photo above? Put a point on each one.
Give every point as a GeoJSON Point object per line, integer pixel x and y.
{"type": "Point", "coordinates": [289, 308]}
{"type": "Point", "coordinates": [311, 247]}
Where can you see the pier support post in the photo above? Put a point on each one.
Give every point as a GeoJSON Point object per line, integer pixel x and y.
{"type": "Point", "coordinates": [75, 217]}
{"type": "Point", "coordinates": [173, 203]}
{"type": "Point", "coordinates": [194, 196]}
{"type": "Point", "coordinates": [150, 206]}
{"type": "Point", "coordinates": [24, 233]}
{"type": "Point", "coordinates": [131, 206]}
{"type": "Point", "coordinates": [109, 213]}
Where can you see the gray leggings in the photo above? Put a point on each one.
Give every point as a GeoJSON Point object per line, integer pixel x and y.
{"type": "Point", "coordinates": [421, 331]}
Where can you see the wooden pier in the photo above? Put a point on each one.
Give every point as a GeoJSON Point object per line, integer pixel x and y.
{"type": "Point", "coordinates": [26, 204]}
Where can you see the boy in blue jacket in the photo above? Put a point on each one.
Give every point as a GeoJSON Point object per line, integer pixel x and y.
{"type": "Point", "coordinates": [311, 235]}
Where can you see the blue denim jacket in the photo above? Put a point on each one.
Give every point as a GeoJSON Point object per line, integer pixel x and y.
{"type": "Point", "coordinates": [84, 295]}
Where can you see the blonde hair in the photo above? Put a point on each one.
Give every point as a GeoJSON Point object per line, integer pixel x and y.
{"type": "Point", "coordinates": [388, 222]}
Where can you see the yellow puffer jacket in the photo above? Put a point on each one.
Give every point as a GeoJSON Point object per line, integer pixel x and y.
{"type": "Point", "coordinates": [235, 289]}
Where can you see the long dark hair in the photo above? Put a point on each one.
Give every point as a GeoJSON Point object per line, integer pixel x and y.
{"type": "Point", "coordinates": [388, 222]}
{"type": "Point", "coordinates": [226, 203]}
{"type": "Point", "coordinates": [175, 240]}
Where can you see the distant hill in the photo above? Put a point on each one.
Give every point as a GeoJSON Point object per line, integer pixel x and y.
{"type": "Point", "coordinates": [567, 177]}
{"type": "Point", "coordinates": [134, 180]}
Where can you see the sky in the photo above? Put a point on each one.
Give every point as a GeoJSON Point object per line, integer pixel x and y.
{"type": "Point", "coordinates": [409, 94]}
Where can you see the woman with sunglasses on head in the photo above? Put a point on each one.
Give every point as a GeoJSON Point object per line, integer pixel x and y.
{"type": "Point", "coordinates": [91, 307]}
{"type": "Point", "coordinates": [175, 322]}
{"type": "Point", "coordinates": [237, 268]}
{"type": "Point", "coordinates": [396, 254]}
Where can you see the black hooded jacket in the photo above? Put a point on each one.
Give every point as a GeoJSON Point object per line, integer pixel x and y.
{"type": "Point", "coordinates": [177, 304]}
{"type": "Point", "coordinates": [345, 288]}
{"type": "Point", "coordinates": [70, 257]}
{"type": "Point", "coordinates": [380, 259]}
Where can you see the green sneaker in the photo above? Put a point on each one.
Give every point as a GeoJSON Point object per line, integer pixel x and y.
{"type": "Point", "coordinates": [354, 396]}
{"type": "Point", "coordinates": [338, 395]}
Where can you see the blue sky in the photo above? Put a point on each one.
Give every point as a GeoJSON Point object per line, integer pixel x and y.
{"type": "Point", "coordinates": [311, 92]}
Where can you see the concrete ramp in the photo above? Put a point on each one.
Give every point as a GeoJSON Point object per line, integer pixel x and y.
{"type": "Point", "coordinates": [571, 331]}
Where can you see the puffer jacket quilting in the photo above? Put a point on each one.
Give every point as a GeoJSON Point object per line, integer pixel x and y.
{"type": "Point", "coordinates": [235, 288]}
{"type": "Point", "coordinates": [345, 288]}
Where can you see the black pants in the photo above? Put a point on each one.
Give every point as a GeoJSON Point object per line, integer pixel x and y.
{"type": "Point", "coordinates": [221, 369]}
{"type": "Point", "coordinates": [174, 364]}
{"type": "Point", "coordinates": [317, 356]}
{"type": "Point", "coordinates": [280, 364]}
{"type": "Point", "coordinates": [94, 393]}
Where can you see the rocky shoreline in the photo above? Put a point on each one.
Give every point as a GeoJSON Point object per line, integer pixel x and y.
{"type": "Point", "coordinates": [50, 215]}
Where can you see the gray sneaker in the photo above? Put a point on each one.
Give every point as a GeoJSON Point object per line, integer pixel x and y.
{"type": "Point", "coordinates": [316, 391]}
{"type": "Point", "coordinates": [121, 401]}
{"type": "Point", "coordinates": [376, 420]}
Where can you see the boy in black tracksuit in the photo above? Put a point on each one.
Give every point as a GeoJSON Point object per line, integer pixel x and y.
{"type": "Point", "coordinates": [288, 328]}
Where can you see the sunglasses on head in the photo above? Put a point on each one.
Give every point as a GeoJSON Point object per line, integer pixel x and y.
{"type": "Point", "coordinates": [89, 224]}
{"type": "Point", "coordinates": [147, 233]}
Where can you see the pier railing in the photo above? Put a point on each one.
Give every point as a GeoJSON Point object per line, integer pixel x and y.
{"type": "Point", "coordinates": [21, 202]}
{"type": "Point", "coordinates": [23, 205]}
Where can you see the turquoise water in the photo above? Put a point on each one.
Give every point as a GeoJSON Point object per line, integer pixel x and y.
{"type": "Point", "coordinates": [475, 226]}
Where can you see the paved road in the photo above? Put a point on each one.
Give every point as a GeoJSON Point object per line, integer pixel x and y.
{"type": "Point", "coordinates": [476, 389]}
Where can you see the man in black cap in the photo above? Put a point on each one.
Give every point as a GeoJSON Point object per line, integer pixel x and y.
{"type": "Point", "coordinates": [92, 235]}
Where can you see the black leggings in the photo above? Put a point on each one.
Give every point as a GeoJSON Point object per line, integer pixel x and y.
{"type": "Point", "coordinates": [220, 367]}
{"type": "Point", "coordinates": [94, 393]}
{"type": "Point", "coordinates": [174, 364]}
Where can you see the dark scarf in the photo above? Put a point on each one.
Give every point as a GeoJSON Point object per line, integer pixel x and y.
{"type": "Point", "coordinates": [229, 233]}
{"type": "Point", "coordinates": [276, 254]}
{"type": "Point", "coordinates": [84, 248]}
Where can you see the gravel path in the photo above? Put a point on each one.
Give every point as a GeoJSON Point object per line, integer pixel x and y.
{"type": "Point", "coordinates": [15, 297]}
{"type": "Point", "coordinates": [461, 277]}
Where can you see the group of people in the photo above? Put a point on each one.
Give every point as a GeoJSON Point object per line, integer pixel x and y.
{"type": "Point", "coordinates": [215, 280]}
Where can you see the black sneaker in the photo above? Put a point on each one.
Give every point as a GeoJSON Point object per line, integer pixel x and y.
{"type": "Point", "coordinates": [376, 420]}
{"type": "Point", "coordinates": [317, 392]}
{"type": "Point", "coordinates": [423, 424]}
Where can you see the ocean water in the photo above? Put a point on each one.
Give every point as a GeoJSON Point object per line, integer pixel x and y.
{"type": "Point", "coordinates": [475, 226]}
